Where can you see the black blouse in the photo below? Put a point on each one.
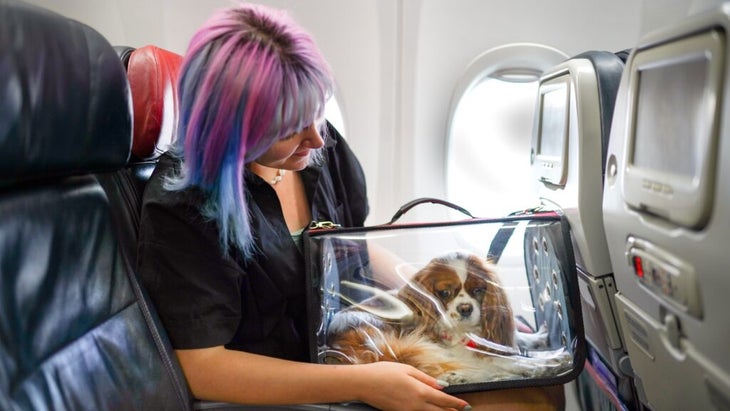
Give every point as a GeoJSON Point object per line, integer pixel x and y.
{"type": "Point", "coordinates": [206, 299]}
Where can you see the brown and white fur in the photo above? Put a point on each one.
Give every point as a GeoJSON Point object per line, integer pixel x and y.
{"type": "Point", "coordinates": [462, 328]}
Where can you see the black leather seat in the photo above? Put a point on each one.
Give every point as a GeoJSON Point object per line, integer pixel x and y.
{"type": "Point", "coordinates": [76, 331]}
{"type": "Point", "coordinates": [124, 52]}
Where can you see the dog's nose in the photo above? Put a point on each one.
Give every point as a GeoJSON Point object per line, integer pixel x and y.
{"type": "Point", "coordinates": [465, 309]}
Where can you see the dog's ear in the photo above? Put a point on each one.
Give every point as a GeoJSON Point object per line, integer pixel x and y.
{"type": "Point", "coordinates": [498, 324]}
{"type": "Point", "coordinates": [418, 294]}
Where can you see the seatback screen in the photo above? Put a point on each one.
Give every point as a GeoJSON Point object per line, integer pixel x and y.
{"type": "Point", "coordinates": [550, 144]}
{"type": "Point", "coordinates": [554, 121]}
{"type": "Point", "coordinates": [672, 109]}
{"type": "Point", "coordinates": [675, 92]}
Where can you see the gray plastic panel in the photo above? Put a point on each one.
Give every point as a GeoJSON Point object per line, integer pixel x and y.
{"type": "Point", "coordinates": [580, 200]}
{"type": "Point", "coordinates": [675, 327]}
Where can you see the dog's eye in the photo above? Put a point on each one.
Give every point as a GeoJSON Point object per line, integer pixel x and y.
{"type": "Point", "coordinates": [479, 292]}
{"type": "Point", "coordinates": [446, 293]}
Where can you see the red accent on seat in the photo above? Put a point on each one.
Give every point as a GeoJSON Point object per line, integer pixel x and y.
{"type": "Point", "coordinates": [638, 266]}
{"type": "Point", "coordinates": [152, 74]}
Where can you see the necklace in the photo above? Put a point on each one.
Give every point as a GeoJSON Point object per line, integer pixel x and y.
{"type": "Point", "coordinates": [279, 175]}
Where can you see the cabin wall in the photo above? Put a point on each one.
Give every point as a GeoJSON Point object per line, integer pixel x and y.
{"type": "Point", "coordinates": [568, 25]}
{"type": "Point", "coordinates": [396, 62]}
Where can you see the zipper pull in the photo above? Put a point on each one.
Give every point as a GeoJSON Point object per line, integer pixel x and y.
{"type": "Point", "coordinates": [323, 225]}
{"type": "Point", "coordinates": [529, 211]}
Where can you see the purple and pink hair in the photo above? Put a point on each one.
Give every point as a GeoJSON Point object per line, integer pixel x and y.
{"type": "Point", "coordinates": [250, 77]}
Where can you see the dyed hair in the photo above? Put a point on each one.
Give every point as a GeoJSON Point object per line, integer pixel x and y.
{"type": "Point", "coordinates": [250, 77]}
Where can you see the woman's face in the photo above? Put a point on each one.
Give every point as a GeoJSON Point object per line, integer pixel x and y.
{"type": "Point", "coordinates": [292, 152]}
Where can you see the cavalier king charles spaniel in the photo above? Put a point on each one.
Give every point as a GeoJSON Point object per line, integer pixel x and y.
{"type": "Point", "coordinates": [459, 327]}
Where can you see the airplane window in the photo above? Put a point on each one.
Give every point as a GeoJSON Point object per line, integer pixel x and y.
{"type": "Point", "coordinates": [489, 166]}
{"type": "Point", "coordinates": [488, 150]}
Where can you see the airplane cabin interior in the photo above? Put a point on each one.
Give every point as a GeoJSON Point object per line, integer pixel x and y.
{"type": "Point", "coordinates": [588, 135]}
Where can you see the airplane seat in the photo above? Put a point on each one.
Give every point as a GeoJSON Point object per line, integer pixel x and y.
{"type": "Point", "coordinates": [608, 68]}
{"type": "Point", "coordinates": [152, 74]}
{"type": "Point", "coordinates": [666, 208]}
{"type": "Point", "coordinates": [575, 109]}
{"type": "Point", "coordinates": [124, 52]}
{"type": "Point", "coordinates": [76, 331]}
{"type": "Point", "coordinates": [623, 55]}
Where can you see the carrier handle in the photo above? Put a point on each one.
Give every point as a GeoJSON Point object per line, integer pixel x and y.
{"type": "Point", "coordinates": [407, 206]}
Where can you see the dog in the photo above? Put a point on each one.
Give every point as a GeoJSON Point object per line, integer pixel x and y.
{"type": "Point", "coordinates": [459, 327]}
{"type": "Point", "coordinates": [458, 296]}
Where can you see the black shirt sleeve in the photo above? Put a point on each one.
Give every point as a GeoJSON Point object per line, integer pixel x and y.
{"type": "Point", "coordinates": [195, 289]}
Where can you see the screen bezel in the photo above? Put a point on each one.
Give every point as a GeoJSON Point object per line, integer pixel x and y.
{"type": "Point", "coordinates": [683, 201]}
{"type": "Point", "coordinates": [552, 169]}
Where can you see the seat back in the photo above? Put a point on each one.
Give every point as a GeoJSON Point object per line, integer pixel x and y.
{"type": "Point", "coordinates": [573, 117]}
{"type": "Point", "coordinates": [76, 331]}
{"type": "Point", "coordinates": [124, 52]}
{"type": "Point", "coordinates": [152, 74]}
{"type": "Point", "coordinates": [574, 113]}
{"type": "Point", "coordinates": [666, 210]}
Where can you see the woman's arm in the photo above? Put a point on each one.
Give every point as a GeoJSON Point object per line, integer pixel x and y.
{"type": "Point", "coordinates": [220, 374]}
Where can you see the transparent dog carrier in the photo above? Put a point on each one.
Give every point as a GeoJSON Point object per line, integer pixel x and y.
{"type": "Point", "coordinates": [476, 303]}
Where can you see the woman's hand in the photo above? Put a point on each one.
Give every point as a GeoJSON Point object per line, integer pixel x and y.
{"type": "Point", "coordinates": [395, 386]}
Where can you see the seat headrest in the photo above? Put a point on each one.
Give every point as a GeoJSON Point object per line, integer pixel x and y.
{"type": "Point", "coordinates": [124, 52]}
{"type": "Point", "coordinates": [152, 74]}
{"type": "Point", "coordinates": [65, 105]}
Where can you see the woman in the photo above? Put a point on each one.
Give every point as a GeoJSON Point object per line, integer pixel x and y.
{"type": "Point", "coordinates": [223, 210]}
